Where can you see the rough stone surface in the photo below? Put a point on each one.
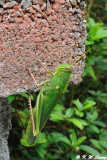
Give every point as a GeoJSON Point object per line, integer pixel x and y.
{"type": "Point", "coordinates": [73, 2]}
{"type": "Point", "coordinates": [34, 1]}
{"type": "Point", "coordinates": [2, 2]}
{"type": "Point", "coordinates": [26, 3]}
{"type": "Point", "coordinates": [5, 126]}
{"type": "Point", "coordinates": [43, 33]}
{"type": "Point", "coordinates": [9, 4]}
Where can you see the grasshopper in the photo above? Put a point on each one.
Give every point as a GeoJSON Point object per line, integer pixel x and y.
{"type": "Point", "coordinates": [47, 98]}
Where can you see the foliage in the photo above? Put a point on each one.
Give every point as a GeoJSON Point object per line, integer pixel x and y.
{"type": "Point", "coordinates": [77, 126]}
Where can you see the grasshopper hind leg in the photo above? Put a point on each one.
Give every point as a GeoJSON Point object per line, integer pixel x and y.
{"type": "Point", "coordinates": [33, 128]}
{"type": "Point", "coordinates": [31, 125]}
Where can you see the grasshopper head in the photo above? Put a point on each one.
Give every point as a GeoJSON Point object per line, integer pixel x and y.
{"type": "Point", "coordinates": [67, 68]}
{"type": "Point", "coordinates": [64, 68]}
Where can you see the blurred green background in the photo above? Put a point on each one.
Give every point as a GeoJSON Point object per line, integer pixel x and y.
{"type": "Point", "coordinates": [77, 127]}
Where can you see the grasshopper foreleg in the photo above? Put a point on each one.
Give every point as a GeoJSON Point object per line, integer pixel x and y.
{"type": "Point", "coordinates": [40, 84]}
{"type": "Point", "coordinates": [48, 71]}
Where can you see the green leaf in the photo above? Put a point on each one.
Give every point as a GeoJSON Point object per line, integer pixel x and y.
{"type": "Point", "coordinates": [91, 59]}
{"type": "Point", "coordinates": [56, 136]}
{"type": "Point", "coordinates": [88, 43]}
{"type": "Point", "coordinates": [13, 110]}
{"type": "Point", "coordinates": [41, 151]}
{"type": "Point", "coordinates": [24, 95]}
{"type": "Point", "coordinates": [99, 123]}
{"type": "Point", "coordinates": [73, 137]}
{"type": "Point", "coordinates": [78, 104]}
{"type": "Point", "coordinates": [88, 104]}
{"type": "Point", "coordinates": [79, 141]}
{"type": "Point", "coordinates": [74, 155]}
{"type": "Point", "coordinates": [41, 139]}
{"type": "Point", "coordinates": [56, 117]}
{"type": "Point", "coordinates": [83, 122]}
{"type": "Point", "coordinates": [94, 115]}
{"type": "Point", "coordinates": [65, 140]}
{"type": "Point", "coordinates": [101, 33]}
{"type": "Point", "coordinates": [94, 93]}
{"type": "Point", "coordinates": [90, 150]}
{"type": "Point", "coordinates": [94, 30]}
{"type": "Point", "coordinates": [78, 113]}
{"type": "Point", "coordinates": [76, 122]}
{"type": "Point", "coordinates": [103, 144]}
{"type": "Point", "coordinates": [50, 156]}
{"type": "Point", "coordinates": [103, 139]}
{"type": "Point", "coordinates": [91, 72]}
{"type": "Point", "coordinates": [85, 72]}
{"type": "Point", "coordinates": [91, 22]}
{"type": "Point", "coordinates": [11, 98]}
{"type": "Point", "coordinates": [96, 144]}
{"type": "Point", "coordinates": [69, 112]}
{"type": "Point", "coordinates": [59, 107]}
{"type": "Point", "coordinates": [24, 141]}
{"type": "Point", "coordinates": [94, 128]}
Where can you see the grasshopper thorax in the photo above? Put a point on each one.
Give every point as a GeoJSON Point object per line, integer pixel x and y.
{"type": "Point", "coordinates": [64, 68]}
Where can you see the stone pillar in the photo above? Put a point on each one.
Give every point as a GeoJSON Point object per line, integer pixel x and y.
{"type": "Point", "coordinates": [5, 126]}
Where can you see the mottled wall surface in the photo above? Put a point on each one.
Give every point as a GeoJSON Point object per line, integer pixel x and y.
{"type": "Point", "coordinates": [39, 30]}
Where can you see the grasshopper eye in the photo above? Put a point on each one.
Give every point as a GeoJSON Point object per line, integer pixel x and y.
{"type": "Point", "coordinates": [67, 68]}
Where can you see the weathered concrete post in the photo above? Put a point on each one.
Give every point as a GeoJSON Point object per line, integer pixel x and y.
{"type": "Point", "coordinates": [5, 126]}
{"type": "Point", "coordinates": [32, 30]}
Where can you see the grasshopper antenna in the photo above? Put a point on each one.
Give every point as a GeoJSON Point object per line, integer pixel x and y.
{"type": "Point", "coordinates": [81, 56]}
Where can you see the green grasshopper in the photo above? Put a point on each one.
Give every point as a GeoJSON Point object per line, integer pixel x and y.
{"type": "Point", "coordinates": [47, 98]}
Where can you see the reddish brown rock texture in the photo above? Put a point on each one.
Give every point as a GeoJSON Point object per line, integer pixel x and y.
{"type": "Point", "coordinates": [43, 31]}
